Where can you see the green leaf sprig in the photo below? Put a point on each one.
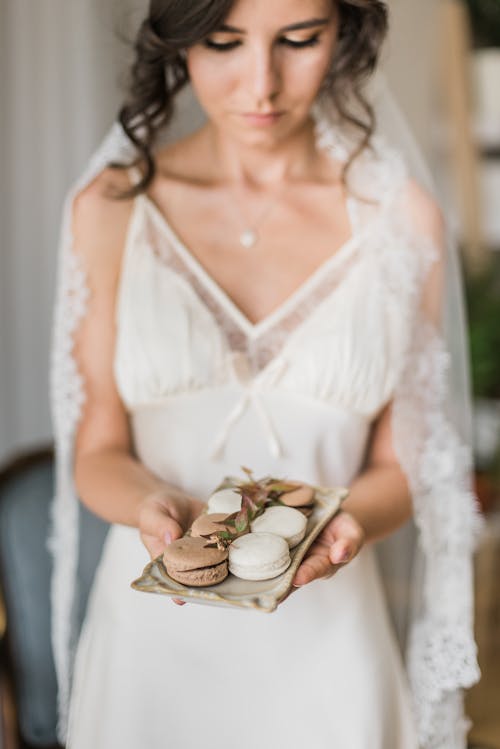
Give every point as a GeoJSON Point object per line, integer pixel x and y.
{"type": "Point", "coordinates": [256, 496]}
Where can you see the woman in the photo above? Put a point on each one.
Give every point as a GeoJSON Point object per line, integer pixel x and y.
{"type": "Point", "coordinates": [256, 293]}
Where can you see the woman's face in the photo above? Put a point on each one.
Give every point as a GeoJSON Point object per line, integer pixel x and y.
{"type": "Point", "coordinates": [257, 76]}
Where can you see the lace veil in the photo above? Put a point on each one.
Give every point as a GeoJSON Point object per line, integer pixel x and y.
{"type": "Point", "coordinates": [432, 555]}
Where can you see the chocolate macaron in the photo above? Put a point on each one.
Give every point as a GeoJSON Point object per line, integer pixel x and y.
{"type": "Point", "coordinates": [302, 496]}
{"type": "Point", "coordinates": [190, 562]}
{"type": "Point", "coordinates": [209, 523]}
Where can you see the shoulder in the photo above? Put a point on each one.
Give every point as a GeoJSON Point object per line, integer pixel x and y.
{"type": "Point", "coordinates": [421, 212]}
{"type": "Point", "coordinates": [95, 207]}
{"type": "Point", "coordinates": [100, 221]}
{"type": "Point", "coordinates": [422, 205]}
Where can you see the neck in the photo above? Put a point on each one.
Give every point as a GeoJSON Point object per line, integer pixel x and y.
{"type": "Point", "coordinates": [263, 166]}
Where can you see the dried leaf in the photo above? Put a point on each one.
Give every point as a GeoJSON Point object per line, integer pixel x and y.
{"type": "Point", "coordinates": [281, 487]}
{"type": "Point", "coordinates": [230, 520]}
{"type": "Point", "coordinates": [276, 503]}
{"type": "Point", "coordinates": [242, 521]}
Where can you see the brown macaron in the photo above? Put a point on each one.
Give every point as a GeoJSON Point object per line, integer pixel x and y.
{"type": "Point", "coordinates": [208, 523]}
{"type": "Point", "coordinates": [190, 562]}
{"type": "Point", "coordinates": [302, 496]}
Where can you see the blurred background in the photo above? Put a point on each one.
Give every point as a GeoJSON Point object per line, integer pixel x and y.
{"type": "Point", "coordinates": [61, 71]}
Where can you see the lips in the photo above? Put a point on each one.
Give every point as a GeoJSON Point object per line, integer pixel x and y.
{"type": "Point", "coordinates": [262, 118]}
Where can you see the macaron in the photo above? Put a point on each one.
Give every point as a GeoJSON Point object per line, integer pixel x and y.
{"type": "Point", "coordinates": [224, 500]}
{"type": "Point", "coordinates": [209, 523]}
{"type": "Point", "coordinates": [302, 496]}
{"type": "Point", "coordinates": [286, 522]}
{"type": "Point", "coordinates": [190, 562]}
{"type": "Point", "coordinates": [259, 556]}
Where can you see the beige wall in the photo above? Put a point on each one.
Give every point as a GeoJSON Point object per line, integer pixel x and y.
{"type": "Point", "coordinates": [59, 62]}
{"type": "Point", "coordinates": [409, 60]}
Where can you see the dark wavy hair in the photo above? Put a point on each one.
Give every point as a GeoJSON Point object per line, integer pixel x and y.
{"type": "Point", "coordinates": [159, 70]}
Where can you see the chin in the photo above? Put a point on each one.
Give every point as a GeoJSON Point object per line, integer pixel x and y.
{"type": "Point", "coordinates": [266, 136]}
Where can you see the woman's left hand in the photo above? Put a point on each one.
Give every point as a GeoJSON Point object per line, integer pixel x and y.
{"type": "Point", "coordinates": [337, 544]}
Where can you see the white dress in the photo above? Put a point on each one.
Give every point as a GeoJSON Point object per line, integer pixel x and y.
{"type": "Point", "coordinates": [292, 396]}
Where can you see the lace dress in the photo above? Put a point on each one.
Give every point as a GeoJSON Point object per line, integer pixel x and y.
{"type": "Point", "coordinates": [294, 395]}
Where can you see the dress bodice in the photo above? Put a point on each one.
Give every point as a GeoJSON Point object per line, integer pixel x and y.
{"type": "Point", "coordinates": [339, 339]}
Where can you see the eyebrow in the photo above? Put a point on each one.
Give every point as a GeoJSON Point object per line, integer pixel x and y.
{"type": "Point", "coordinates": [311, 23]}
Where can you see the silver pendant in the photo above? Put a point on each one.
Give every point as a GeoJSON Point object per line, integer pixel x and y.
{"type": "Point", "coordinates": [248, 238]}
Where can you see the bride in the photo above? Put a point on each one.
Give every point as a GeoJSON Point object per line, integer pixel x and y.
{"type": "Point", "coordinates": [268, 289]}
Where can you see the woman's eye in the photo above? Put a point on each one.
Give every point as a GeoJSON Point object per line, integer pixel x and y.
{"type": "Point", "coordinates": [298, 44]}
{"type": "Point", "coordinates": [295, 44]}
{"type": "Point", "coordinates": [221, 46]}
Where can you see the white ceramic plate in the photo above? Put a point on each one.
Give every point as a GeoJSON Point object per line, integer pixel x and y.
{"type": "Point", "coordinates": [262, 595]}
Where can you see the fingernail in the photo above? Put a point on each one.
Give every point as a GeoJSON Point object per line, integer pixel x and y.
{"type": "Point", "coordinates": [167, 537]}
{"type": "Point", "coordinates": [342, 556]}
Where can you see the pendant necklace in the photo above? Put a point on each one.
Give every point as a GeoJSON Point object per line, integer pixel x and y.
{"type": "Point", "coordinates": [249, 236]}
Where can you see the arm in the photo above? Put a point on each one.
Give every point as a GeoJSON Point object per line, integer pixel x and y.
{"type": "Point", "coordinates": [110, 480]}
{"type": "Point", "coordinates": [379, 498]}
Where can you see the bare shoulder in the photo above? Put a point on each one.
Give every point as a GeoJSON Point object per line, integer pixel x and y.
{"type": "Point", "coordinates": [424, 211]}
{"type": "Point", "coordinates": [100, 221]}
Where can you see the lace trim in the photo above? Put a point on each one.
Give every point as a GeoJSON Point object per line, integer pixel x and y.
{"type": "Point", "coordinates": [67, 382]}
{"type": "Point", "coordinates": [400, 261]}
{"type": "Point", "coordinates": [442, 651]}
{"type": "Point", "coordinates": [265, 345]}
{"type": "Point", "coordinates": [68, 397]}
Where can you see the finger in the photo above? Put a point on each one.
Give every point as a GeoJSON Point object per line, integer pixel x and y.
{"type": "Point", "coordinates": [312, 568]}
{"type": "Point", "coordinates": [154, 546]}
{"type": "Point", "coordinates": [345, 527]}
{"type": "Point", "coordinates": [344, 538]}
{"type": "Point", "coordinates": [156, 523]}
{"type": "Point", "coordinates": [162, 526]}
{"type": "Point", "coordinates": [342, 551]}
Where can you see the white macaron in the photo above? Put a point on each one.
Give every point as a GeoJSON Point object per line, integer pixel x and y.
{"type": "Point", "coordinates": [259, 556]}
{"type": "Point", "coordinates": [224, 500]}
{"type": "Point", "coordinates": [286, 522]}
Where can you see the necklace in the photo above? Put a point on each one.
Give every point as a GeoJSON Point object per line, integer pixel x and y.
{"type": "Point", "coordinates": [249, 236]}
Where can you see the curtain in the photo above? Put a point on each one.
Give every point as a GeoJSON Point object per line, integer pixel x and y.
{"type": "Point", "coordinates": [59, 89]}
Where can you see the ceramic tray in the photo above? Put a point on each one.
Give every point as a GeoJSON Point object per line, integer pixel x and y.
{"type": "Point", "coordinates": [262, 595]}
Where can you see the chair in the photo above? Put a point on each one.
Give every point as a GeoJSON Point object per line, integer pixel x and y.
{"type": "Point", "coordinates": [27, 676]}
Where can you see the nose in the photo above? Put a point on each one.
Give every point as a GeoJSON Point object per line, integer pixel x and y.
{"type": "Point", "coordinates": [264, 78]}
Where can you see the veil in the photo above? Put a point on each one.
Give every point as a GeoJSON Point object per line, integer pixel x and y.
{"type": "Point", "coordinates": [431, 423]}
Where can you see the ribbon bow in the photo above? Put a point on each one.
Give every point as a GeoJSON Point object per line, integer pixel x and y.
{"type": "Point", "coordinates": [252, 389]}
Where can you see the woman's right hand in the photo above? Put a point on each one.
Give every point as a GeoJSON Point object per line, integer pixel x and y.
{"type": "Point", "coordinates": [165, 515]}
